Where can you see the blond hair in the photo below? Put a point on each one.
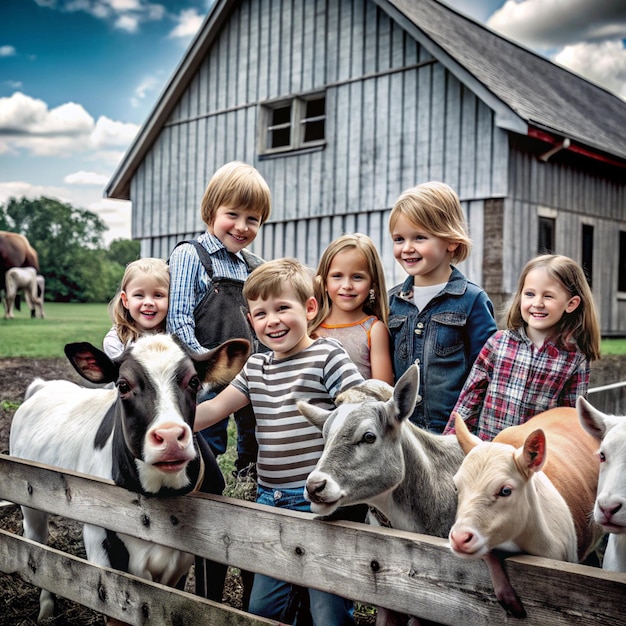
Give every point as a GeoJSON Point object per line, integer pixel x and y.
{"type": "Point", "coordinates": [274, 278]}
{"type": "Point", "coordinates": [582, 324]}
{"type": "Point", "coordinates": [437, 209]}
{"type": "Point", "coordinates": [377, 305]}
{"type": "Point", "coordinates": [236, 184]}
{"type": "Point", "coordinates": [125, 325]}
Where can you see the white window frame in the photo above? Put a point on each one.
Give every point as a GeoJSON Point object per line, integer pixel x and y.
{"type": "Point", "coordinates": [297, 125]}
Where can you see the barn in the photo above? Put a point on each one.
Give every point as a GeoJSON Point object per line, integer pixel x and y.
{"type": "Point", "coordinates": [343, 104]}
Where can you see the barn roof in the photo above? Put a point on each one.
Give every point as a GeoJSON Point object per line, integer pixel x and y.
{"type": "Point", "coordinates": [529, 94]}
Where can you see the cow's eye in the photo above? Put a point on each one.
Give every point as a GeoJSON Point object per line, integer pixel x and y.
{"type": "Point", "coordinates": [505, 492]}
{"type": "Point", "coordinates": [602, 457]}
{"type": "Point", "coordinates": [123, 387]}
{"type": "Point", "coordinates": [369, 437]}
{"type": "Point", "coordinates": [194, 383]}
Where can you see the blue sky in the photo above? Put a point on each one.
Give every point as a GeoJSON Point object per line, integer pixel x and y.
{"type": "Point", "coordinates": [79, 77]}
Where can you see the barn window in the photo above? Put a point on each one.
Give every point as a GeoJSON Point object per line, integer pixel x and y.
{"type": "Point", "coordinates": [587, 248]}
{"type": "Point", "coordinates": [295, 124]}
{"type": "Point", "coordinates": [621, 271]}
{"type": "Point", "coordinates": [545, 245]}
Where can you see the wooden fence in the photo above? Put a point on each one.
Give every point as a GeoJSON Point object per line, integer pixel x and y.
{"type": "Point", "coordinates": [609, 399]}
{"type": "Point", "coordinates": [409, 572]}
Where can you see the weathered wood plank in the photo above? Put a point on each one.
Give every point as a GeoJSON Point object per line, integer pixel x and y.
{"type": "Point", "coordinates": [412, 573]}
{"type": "Point", "coordinates": [113, 593]}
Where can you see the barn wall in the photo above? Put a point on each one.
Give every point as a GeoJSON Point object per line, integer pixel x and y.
{"type": "Point", "coordinates": [575, 192]}
{"type": "Point", "coordinates": [395, 117]}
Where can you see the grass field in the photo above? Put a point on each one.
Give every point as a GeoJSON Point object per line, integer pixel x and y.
{"type": "Point", "coordinates": [64, 323]}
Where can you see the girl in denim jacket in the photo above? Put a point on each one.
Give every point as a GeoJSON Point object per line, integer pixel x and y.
{"type": "Point", "coordinates": [438, 320]}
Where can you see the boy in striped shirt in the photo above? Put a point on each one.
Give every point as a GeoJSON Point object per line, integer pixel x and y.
{"type": "Point", "coordinates": [281, 303]}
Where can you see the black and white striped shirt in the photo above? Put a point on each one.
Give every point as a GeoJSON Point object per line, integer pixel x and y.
{"type": "Point", "coordinates": [289, 446]}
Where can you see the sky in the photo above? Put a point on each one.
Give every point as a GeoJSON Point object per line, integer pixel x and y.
{"type": "Point", "coordinates": [78, 78]}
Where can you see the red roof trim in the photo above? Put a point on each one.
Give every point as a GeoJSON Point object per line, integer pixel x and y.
{"type": "Point", "coordinates": [574, 147]}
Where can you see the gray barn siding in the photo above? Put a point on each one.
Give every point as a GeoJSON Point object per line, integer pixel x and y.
{"type": "Point", "coordinates": [395, 117]}
{"type": "Point", "coordinates": [577, 197]}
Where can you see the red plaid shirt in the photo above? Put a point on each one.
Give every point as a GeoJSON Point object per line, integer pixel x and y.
{"type": "Point", "coordinates": [512, 380]}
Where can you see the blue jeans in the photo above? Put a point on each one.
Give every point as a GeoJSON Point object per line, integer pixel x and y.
{"type": "Point", "coordinates": [273, 598]}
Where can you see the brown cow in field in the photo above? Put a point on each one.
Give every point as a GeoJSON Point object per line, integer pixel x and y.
{"type": "Point", "coordinates": [530, 490]}
{"type": "Point", "coordinates": [15, 251]}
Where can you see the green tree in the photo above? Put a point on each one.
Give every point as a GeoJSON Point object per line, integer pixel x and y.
{"type": "Point", "coordinates": [69, 243]}
{"type": "Point", "coordinates": [124, 251]}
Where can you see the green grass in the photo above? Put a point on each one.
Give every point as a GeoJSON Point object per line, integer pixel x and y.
{"type": "Point", "coordinates": [613, 346]}
{"type": "Point", "coordinates": [43, 338]}
{"type": "Point", "coordinates": [65, 323]}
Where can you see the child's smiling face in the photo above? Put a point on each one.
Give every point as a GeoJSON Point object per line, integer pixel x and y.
{"type": "Point", "coordinates": [543, 303]}
{"type": "Point", "coordinates": [280, 323]}
{"type": "Point", "coordinates": [423, 255]}
{"type": "Point", "coordinates": [235, 227]}
{"type": "Point", "coordinates": [146, 299]}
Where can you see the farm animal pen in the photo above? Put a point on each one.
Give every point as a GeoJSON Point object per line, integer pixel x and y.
{"type": "Point", "coordinates": [408, 572]}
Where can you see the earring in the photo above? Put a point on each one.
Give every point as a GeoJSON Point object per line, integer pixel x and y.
{"type": "Point", "coordinates": [372, 298]}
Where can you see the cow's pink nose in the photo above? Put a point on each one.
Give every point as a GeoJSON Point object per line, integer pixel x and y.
{"type": "Point", "coordinates": [170, 434]}
{"type": "Point", "coordinates": [461, 539]}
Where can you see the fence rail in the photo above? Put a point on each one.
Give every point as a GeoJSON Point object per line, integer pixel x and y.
{"type": "Point", "coordinates": [609, 399]}
{"type": "Point", "coordinates": [408, 572]}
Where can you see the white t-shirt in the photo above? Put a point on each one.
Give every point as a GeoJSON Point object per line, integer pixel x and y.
{"type": "Point", "coordinates": [423, 295]}
{"type": "Point", "coordinates": [112, 344]}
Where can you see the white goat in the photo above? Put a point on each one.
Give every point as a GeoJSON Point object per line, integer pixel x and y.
{"type": "Point", "coordinates": [610, 506]}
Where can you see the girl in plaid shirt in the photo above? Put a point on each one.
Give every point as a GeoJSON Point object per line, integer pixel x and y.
{"type": "Point", "coordinates": [541, 360]}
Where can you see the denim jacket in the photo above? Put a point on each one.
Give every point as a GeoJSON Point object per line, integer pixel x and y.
{"type": "Point", "coordinates": [443, 339]}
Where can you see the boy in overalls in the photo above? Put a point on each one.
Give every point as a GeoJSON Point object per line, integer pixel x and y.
{"type": "Point", "coordinates": [206, 306]}
{"type": "Point", "coordinates": [206, 278]}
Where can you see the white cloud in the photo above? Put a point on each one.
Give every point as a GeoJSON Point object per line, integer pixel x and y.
{"type": "Point", "coordinates": [22, 114]}
{"type": "Point", "coordinates": [554, 23]}
{"type": "Point", "coordinates": [109, 133]}
{"type": "Point", "coordinates": [603, 63]}
{"type": "Point", "coordinates": [125, 15]}
{"type": "Point", "coordinates": [26, 124]}
{"type": "Point", "coordinates": [7, 51]}
{"type": "Point", "coordinates": [189, 21]}
{"type": "Point", "coordinates": [585, 36]}
{"type": "Point", "coordinates": [145, 88]}
{"type": "Point", "coordinates": [125, 5]}
{"type": "Point", "coordinates": [114, 213]}
{"type": "Point", "coordinates": [86, 178]}
{"type": "Point", "coordinates": [129, 23]}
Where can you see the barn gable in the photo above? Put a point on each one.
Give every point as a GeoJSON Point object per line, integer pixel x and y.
{"type": "Point", "coordinates": [411, 91]}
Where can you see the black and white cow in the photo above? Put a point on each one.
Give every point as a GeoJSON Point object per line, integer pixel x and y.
{"type": "Point", "coordinates": [139, 434]}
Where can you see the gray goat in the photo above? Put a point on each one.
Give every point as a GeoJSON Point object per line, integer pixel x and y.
{"type": "Point", "coordinates": [374, 455]}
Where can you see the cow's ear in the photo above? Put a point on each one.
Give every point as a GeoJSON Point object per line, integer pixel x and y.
{"type": "Point", "coordinates": [92, 364]}
{"type": "Point", "coordinates": [220, 365]}
{"type": "Point", "coordinates": [534, 453]}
